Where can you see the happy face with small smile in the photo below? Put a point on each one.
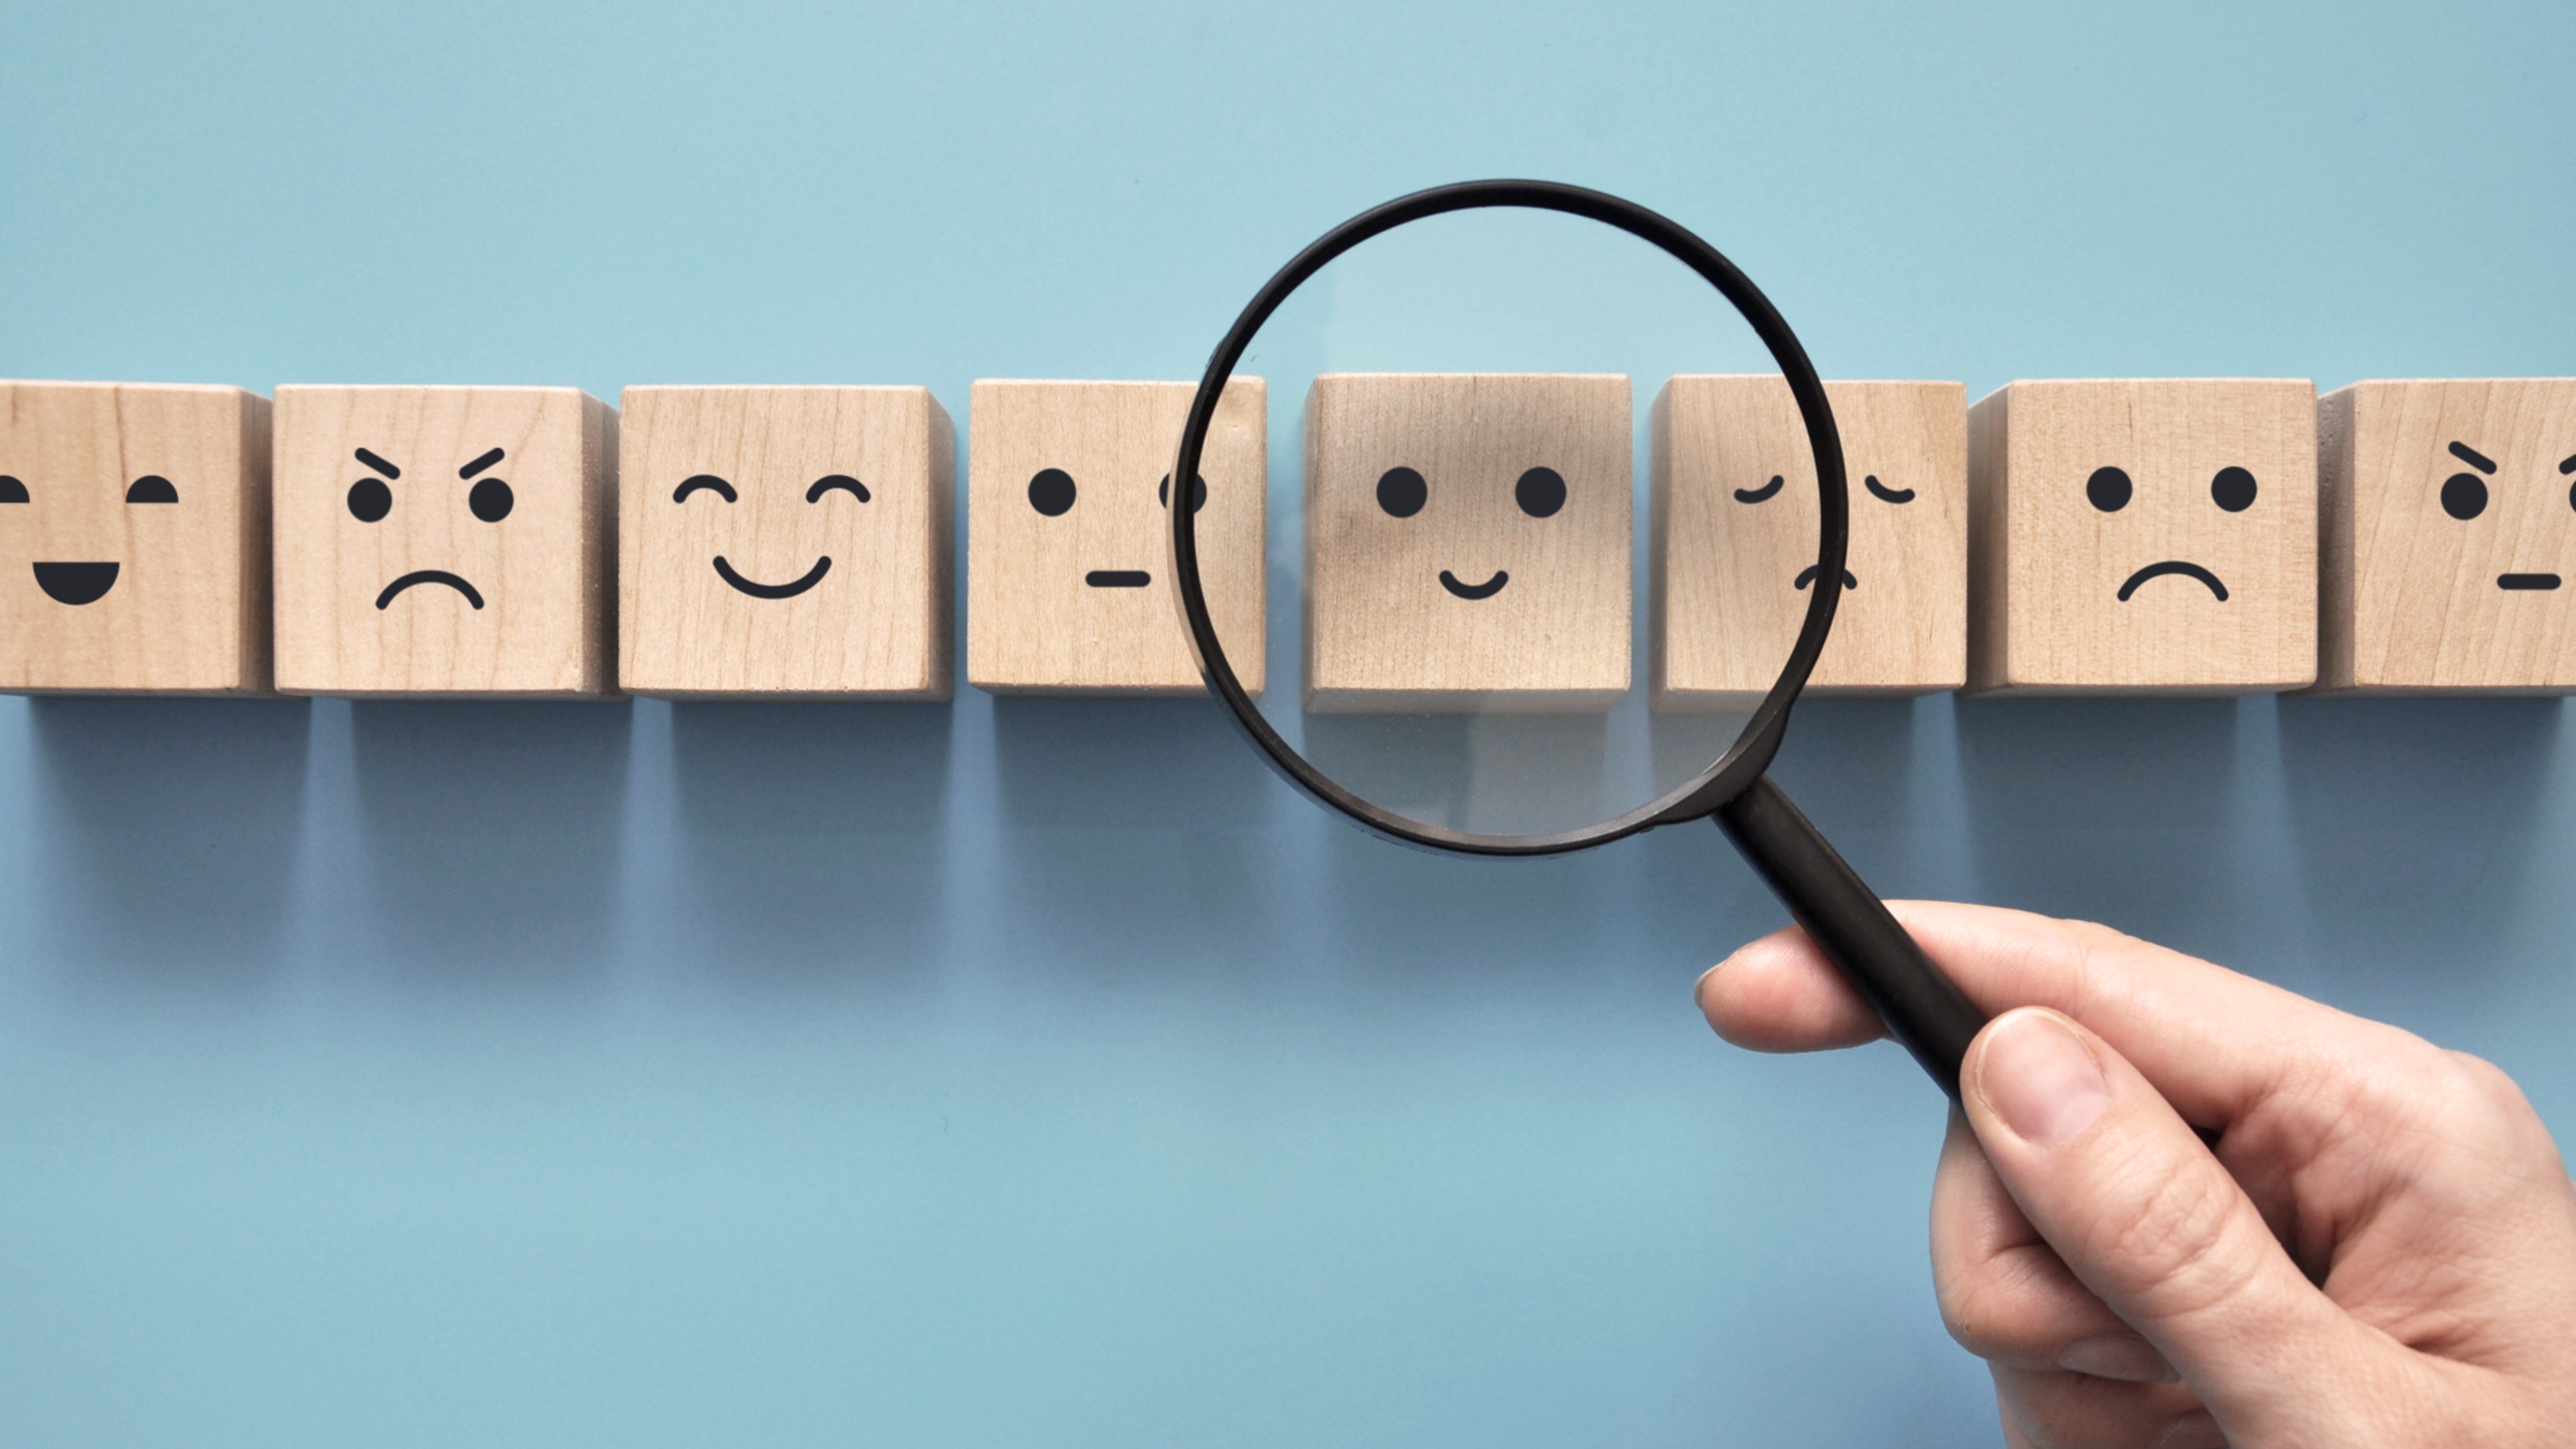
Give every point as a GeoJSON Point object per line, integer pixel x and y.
{"type": "Point", "coordinates": [1402, 492]}
{"type": "Point", "coordinates": [716, 487]}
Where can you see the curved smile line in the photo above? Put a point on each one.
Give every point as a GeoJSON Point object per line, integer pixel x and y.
{"type": "Point", "coordinates": [429, 576]}
{"type": "Point", "coordinates": [1807, 576]}
{"type": "Point", "coordinates": [2173, 566]}
{"type": "Point", "coordinates": [812, 577]}
{"type": "Point", "coordinates": [1485, 590]}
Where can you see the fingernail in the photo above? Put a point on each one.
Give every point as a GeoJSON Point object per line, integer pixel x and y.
{"type": "Point", "coordinates": [2195, 1430]}
{"type": "Point", "coordinates": [2040, 1079]}
{"type": "Point", "coordinates": [2123, 1356]}
{"type": "Point", "coordinates": [1712, 971]}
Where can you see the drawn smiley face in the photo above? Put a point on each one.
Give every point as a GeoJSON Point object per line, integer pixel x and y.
{"type": "Point", "coordinates": [132, 547]}
{"type": "Point", "coordinates": [716, 487]}
{"type": "Point", "coordinates": [371, 501]}
{"type": "Point", "coordinates": [1467, 541]}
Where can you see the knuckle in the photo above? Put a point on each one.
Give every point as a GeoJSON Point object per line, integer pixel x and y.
{"type": "Point", "coordinates": [2173, 1244]}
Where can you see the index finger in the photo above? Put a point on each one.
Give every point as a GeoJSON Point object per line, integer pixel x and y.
{"type": "Point", "coordinates": [2211, 1040]}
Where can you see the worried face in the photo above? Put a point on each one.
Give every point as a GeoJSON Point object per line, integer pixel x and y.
{"type": "Point", "coordinates": [132, 553]}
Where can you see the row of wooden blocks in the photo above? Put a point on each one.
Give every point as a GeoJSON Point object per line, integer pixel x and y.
{"type": "Point", "coordinates": [1468, 539]}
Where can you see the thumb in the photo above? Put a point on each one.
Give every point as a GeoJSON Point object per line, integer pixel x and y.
{"type": "Point", "coordinates": [2142, 1213]}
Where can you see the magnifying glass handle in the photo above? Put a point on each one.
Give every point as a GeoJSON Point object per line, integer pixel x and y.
{"type": "Point", "coordinates": [1847, 920]}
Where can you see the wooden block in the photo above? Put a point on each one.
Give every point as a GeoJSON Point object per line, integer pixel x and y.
{"type": "Point", "coordinates": [2150, 537]}
{"type": "Point", "coordinates": [788, 542]}
{"type": "Point", "coordinates": [2448, 541]}
{"type": "Point", "coordinates": [1467, 542]}
{"type": "Point", "coordinates": [1068, 548]}
{"type": "Point", "coordinates": [133, 539]}
{"type": "Point", "coordinates": [1735, 535]}
{"type": "Point", "coordinates": [445, 541]}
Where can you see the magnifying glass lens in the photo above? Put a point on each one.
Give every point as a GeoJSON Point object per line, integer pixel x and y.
{"type": "Point", "coordinates": [1541, 525]}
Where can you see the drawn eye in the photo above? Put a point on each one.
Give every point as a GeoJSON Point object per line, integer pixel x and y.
{"type": "Point", "coordinates": [2232, 489]}
{"type": "Point", "coordinates": [1884, 493]}
{"type": "Point", "coordinates": [836, 482]}
{"type": "Point", "coordinates": [1401, 492]}
{"type": "Point", "coordinates": [1051, 492]}
{"type": "Point", "coordinates": [370, 500]}
{"type": "Point", "coordinates": [2108, 489]}
{"type": "Point", "coordinates": [151, 488]}
{"type": "Point", "coordinates": [703, 483]}
{"type": "Point", "coordinates": [1763, 493]}
{"type": "Point", "coordinates": [2464, 496]}
{"type": "Point", "coordinates": [491, 500]}
{"type": "Point", "coordinates": [1540, 493]}
{"type": "Point", "coordinates": [1198, 492]}
{"type": "Point", "coordinates": [11, 490]}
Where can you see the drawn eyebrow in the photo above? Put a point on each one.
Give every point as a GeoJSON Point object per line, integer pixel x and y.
{"type": "Point", "coordinates": [1756, 495]}
{"type": "Point", "coordinates": [2472, 457]}
{"type": "Point", "coordinates": [379, 464]}
{"type": "Point", "coordinates": [2567, 464]}
{"type": "Point", "coordinates": [479, 464]}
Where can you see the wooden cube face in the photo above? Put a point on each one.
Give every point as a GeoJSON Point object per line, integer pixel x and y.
{"type": "Point", "coordinates": [1467, 541]}
{"type": "Point", "coordinates": [2450, 536]}
{"type": "Point", "coordinates": [133, 539]}
{"type": "Point", "coordinates": [1736, 535]}
{"type": "Point", "coordinates": [1068, 547]}
{"type": "Point", "coordinates": [444, 541]}
{"type": "Point", "coordinates": [2143, 537]}
{"type": "Point", "coordinates": [784, 542]}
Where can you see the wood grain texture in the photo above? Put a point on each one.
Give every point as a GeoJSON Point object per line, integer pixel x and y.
{"type": "Point", "coordinates": [1384, 632]}
{"type": "Point", "coordinates": [1036, 622]}
{"type": "Point", "coordinates": [2415, 599]}
{"type": "Point", "coordinates": [874, 621]}
{"type": "Point", "coordinates": [542, 571]}
{"type": "Point", "coordinates": [185, 606]}
{"type": "Point", "coordinates": [1734, 554]}
{"type": "Point", "coordinates": [2049, 568]}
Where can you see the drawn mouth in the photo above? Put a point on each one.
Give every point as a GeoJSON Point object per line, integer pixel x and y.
{"type": "Point", "coordinates": [812, 577]}
{"type": "Point", "coordinates": [1807, 576]}
{"type": "Point", "coordinates": [76, 583]}
{"type": "Point", "coordinates": [2503, 581]}
{"type": "Point", "coordinates": [429, 576]}
{"type": "Point", "coordinates": [1118, 578]}
{"type": "Point", "coordinates": [2173, 566]}
{"type": "Point", "coordinates": [1485, 590]}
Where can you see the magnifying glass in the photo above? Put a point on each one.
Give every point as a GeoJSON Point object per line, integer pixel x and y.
{"type": "Point", "coordinates": [1435, 606]}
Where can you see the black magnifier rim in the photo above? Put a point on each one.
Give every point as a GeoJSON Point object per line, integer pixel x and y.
{"type": "Point", "coordinates": [1751, 754]}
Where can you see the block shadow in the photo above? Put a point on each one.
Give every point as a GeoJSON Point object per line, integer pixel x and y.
{"type": "Point", "coordinates": [181, 820]}
{"type": "Point", "coordinates": [2115, 810]}
{"type": "Point", "coordinates": [491, 834]}
{"type": "Point", "coordinates": [1109, 807]}
{"type": "Point", "coordinates": [810, 841]}
{"type": "Point", "coordinates": [1849, 765]}
{"type": "Point", "coordinates": [2415, 821]}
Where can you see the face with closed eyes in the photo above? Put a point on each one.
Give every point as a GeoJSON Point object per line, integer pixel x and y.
{"type": "Point", "coordinates": [1069, 492]}
{"type": "Point", "coordinates": [129, 523]}
{"type": "Point", "coordinates": [785, 541]}
{"type": "Point", "coordinates": [2451, 537]}
{"type": "Point", "coordinates": [1735, 490]}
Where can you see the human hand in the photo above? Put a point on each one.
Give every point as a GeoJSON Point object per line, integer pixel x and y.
{"type": "Point", "coordinates": [2380, 1252]}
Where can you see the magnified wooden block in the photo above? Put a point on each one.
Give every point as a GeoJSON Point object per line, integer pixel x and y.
{"type": "Point", "coordinates": [133, 539]}
{"type": "Point", "coordinates": [1736, 532]}
{"type": "Point", "coordinates": [444, 541]}
{"type": "Point", "coordinates": [784, 542]}
{"type": "Point", "coordinates": [2153, 537]}
{"type": "Point", "coordinates": [1467, 542]}
{"type": "Point", "coordinates": [2450, 536]}
{"type": "Point", "coordinates": [1068, 547]}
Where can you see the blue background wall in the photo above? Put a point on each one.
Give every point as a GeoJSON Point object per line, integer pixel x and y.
{"type": "Point", "coordinates": [1039, 1073]}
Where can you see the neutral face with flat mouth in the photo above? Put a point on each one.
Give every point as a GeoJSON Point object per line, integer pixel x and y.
{"type": "Point", "coordinates": [2465, 495]}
